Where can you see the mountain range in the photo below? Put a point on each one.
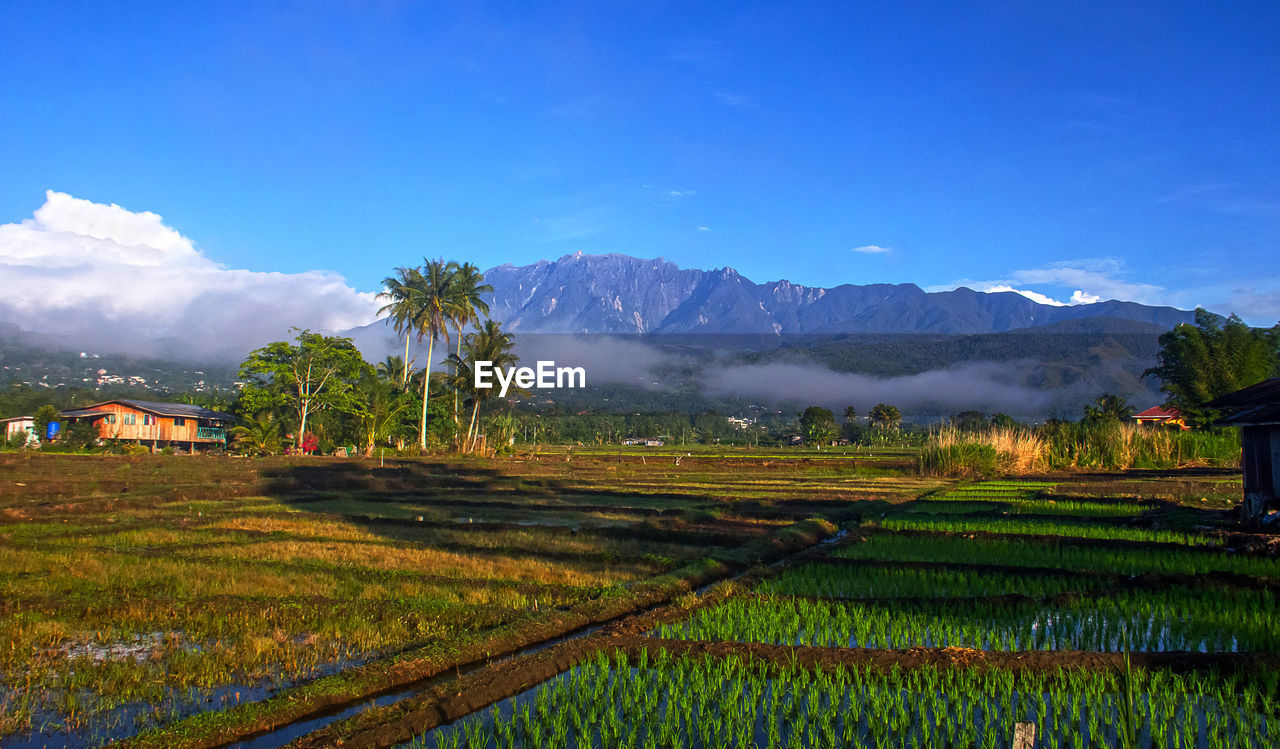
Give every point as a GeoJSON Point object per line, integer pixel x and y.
{"type": "Point", "coordinates": [619, 294]}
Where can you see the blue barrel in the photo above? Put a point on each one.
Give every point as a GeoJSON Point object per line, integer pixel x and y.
{"type": "Point", "coordinates": [51, 430]}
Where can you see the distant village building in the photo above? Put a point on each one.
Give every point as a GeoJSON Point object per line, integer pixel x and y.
{"type": "Point", "coordinates": [156, 425]}
{"type": "Point", "coordinates": [645, 441]}
{"type": "Point", "coordinates": [1161, 416]}
{"type": "Point", "coordinates": [1256, 410]}
{"type": "Point", "coordinates": [17, 424]}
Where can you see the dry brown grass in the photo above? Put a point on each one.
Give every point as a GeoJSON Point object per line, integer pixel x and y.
{"type": "Point", "coordinates": [1018, 451]}
{"type": "Point", "coordinates": [428, 560]}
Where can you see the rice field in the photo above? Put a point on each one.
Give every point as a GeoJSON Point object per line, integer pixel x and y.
{"type": "Point", "coordinates": [734, 701]}
{"type": "Point", "coordinates": [142, 593]}
{"type": "Point", "coordinates": [1184, 620]}
{"type": "Point", "coordinates": [1086, 617]}
{"type": "Point", "coordinates": [1107, 610]}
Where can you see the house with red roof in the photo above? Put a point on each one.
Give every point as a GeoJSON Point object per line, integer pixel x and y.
{"type": "Point", "coordinates": [1161, 416]}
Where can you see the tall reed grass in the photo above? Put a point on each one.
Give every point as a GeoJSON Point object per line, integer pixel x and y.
{"type": "Point", "coordinates": [1015, 451]}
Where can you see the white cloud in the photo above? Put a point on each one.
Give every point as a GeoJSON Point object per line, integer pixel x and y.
{"type": "Point", "coordinates": [104, 273]}
{"type": "Point", "coordinates": [681, 193]}
{"type": "Point", "coordinates": [872, 249]}
{"type": "Point", "coordinates": [1097, 278]}
{"type": "Point", "coordinates": [1257, 306]}
{"type": "Point", "coordinates": [1089, 281]}
{"type": "Point", "coordinates": [1034, 296]}
{"type": "Point", "coordinates": [704, 228]}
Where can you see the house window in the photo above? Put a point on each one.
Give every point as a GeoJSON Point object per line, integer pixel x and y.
{"type": "Point", "coordinates": [111, 418]}
{"type": "Point", "coordinates": [128, 419]}
{"type": "Point", "coordinates": [148, 419]}
{"type": "Point", "coordinates": [178, 421]}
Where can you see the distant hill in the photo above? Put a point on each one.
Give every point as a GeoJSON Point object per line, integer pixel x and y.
{"type": "Point", "coordinates": [50, 361]}
{"type": "Point", "coordinates": [621, 294]}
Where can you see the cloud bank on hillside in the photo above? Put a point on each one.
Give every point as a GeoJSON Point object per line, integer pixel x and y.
{"type": "Point", "coordinates": [104, 274]}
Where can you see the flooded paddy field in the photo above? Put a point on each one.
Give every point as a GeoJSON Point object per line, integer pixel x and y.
{"type": "Point", "coordinates": [170, 601]}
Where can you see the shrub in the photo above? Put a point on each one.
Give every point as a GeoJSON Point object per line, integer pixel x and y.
{"type": "Point", "coordinates": [983, 453]}
{"type": "Point", "coordinates": [1066, 445]}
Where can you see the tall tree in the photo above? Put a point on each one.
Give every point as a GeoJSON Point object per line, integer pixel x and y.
{"type": "Point", "coordinates": [1108, 408]}
{"type": "Point", "coordinates": [885, 416]}
{"type": "Point", "coordinates": [467, 296]}
{"type": "Point", "coordinates": [389, 370]}
{"type": "Point", "coordinates": [818, 425]}
{"type": "Point", "coordinates": [850, 414]}
{"type": "Point", "coordinates": [436, 308]}
{"type": "Point", "coordinates": [1200, 362]}
{"type": "Point", "coordinates": [317, 373]}
{"type": "Point", "coordinates": [490, 343]}
{"type": "Point", "coordinates": [378, 408]}
{"type": "Point", "coordinates": [403, 294]}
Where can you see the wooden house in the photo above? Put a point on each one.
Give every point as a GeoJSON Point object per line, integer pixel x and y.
{"type": "Point", "coordinates": [156, 425]}
{"type": "Point", "coordinates": [1160, 416]}
{"type": "Point", "coordinates": [1256, 410]}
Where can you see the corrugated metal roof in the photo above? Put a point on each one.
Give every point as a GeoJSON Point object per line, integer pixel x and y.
{"type": "Point", "coordinates": [1265, 392]}
{"type": "Point", "coordinates": [1255, 405]}
{"type": "Point", "coordinates": [184, 410]}
{"type": "Point", "coordinates": [1255, 416]}
{"type": "Point", "coordinates": [1158, 412]}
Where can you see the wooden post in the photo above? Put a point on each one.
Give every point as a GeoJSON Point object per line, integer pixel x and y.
{"type": "Point", "coordinates": [1024, 735]}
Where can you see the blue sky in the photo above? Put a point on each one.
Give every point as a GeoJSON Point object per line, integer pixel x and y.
{"type": "Point", "coordinates": [1122, 150]}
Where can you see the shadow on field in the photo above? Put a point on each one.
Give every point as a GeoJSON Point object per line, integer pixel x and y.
{"type": "Point", "coordinates": [304, 476]}
{"type": "Point", "coordinates": [400, 500]}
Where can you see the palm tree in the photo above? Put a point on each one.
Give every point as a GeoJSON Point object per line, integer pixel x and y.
{"type": "Point", "coordinates": [380, 404]}
{"type": "Point", "coordinates": [489, 343]}
{"type": "Point", "coordinates": [404, 290]}
{"type": "Point", "coordinates": [258, 437]}
{"type": "Point", "coordinates": [468, 301]}
{"type": "Point", "coordinates": [435, 308]}
{"type": "Point", "coordinates": [850, 414]}
{"type": "Point", "coordinates": [1108, 408]}
{"type": "Point", "coordinates": [389, 370]}
{"type": "Point", "coordinates": [885, 416]}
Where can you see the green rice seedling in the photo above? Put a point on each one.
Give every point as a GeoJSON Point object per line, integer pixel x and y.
{"type": "Point", "coordinates": [1195, 620]}
{"type": "Point", "coordinates": [1045, 527]}
{"type": "Point", "coordinates": [1051, 553]}
{"type": "Point", "coordinates": [831, 581]}
{"type": "Point", "coordinates": [784, 706]}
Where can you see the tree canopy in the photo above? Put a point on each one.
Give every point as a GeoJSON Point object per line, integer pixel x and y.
{"type": "Point", "coordinates": [885, 416]}
{"type": "Point", "coordinates": [817, 425]}
{"type": "Point", "coordinates": [316, 373]}
{"type": "Point", "coordinates": [1216, 356]}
